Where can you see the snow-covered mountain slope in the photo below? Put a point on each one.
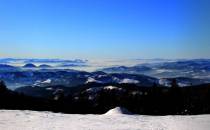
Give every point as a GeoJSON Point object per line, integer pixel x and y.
{"type": "Point", "coordinates": [182, 81]}
{"type": "Point", "coordinates": [31, 120]}
{"type": "Point", "coordinates": [42, 78]}
{"type": "Point", "coordinates": [46, 77]}
{"type": "Point", "coordinates": [123, 78]}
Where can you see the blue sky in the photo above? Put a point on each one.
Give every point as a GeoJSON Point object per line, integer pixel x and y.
{"type": "Point", "coordinates": [103, 29]}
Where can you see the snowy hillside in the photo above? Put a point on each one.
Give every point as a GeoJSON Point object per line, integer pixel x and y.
{"type": "Point", "coordinates": [31, 120]}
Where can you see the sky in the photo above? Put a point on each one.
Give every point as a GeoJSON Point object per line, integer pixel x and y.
{"type": "Point", "coordinates": [105, 29]}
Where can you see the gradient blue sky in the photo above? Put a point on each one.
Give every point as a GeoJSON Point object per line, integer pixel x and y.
{"type": "Point", "coordinates": [98, 29]}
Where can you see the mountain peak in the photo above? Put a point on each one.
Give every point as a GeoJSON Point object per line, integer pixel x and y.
{"type": "Point", "coordinates": [29, 65]}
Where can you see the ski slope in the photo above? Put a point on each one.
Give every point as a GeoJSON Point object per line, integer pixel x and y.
{"type": "Point", "coordinates": [113, 120]}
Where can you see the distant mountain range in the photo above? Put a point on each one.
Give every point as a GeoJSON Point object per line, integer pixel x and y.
{"type": "Point", "coordinates": [69, 78]}
{"type": "Point", "coordinates": [198, 68]}
{"type": "Point", "coordinates": [34, 60]}
{"type": "Point", "coordinates": [7, 68]}
{"type": "Point", "coordinates": [186, 73]}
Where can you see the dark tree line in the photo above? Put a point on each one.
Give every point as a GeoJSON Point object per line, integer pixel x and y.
{"type": "Point", "coordinates": [156, 100]}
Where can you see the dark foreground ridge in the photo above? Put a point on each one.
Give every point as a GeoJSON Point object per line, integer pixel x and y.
{"type": "Point", "coordinates": [98, 98]}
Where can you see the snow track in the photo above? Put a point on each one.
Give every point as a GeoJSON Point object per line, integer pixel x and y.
{"type": "Point", "coordinates": [31, 120]}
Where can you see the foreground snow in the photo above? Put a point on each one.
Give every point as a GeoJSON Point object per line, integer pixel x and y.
{"type": "Point", "coordinates": [31, 120]}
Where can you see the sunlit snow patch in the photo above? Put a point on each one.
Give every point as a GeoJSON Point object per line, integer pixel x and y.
{"type": "Point", "coordinates": [129, 81]}
{"type": "Point", "coordinates": [118, 111]}
{"type": "Point", "coordinates": [92, 80]}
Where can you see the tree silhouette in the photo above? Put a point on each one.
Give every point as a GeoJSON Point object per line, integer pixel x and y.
{"type": "Point", "coordinates": [2, 86]}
